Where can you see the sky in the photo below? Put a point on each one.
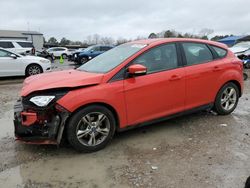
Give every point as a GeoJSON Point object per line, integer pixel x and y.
{"type": "Point", "coordinates": [77, 19]}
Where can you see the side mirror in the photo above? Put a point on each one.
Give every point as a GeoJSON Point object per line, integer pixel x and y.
{"type": "Point", "coordinates": [91, 51]}
{"type": "Point", "coordinates": [137, 70]}
{"type": "Point", "coordinates": [13, 56]}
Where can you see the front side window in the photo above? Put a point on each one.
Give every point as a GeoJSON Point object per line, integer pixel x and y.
{"type": "Point", "coordinates": [158, 59]}
{"type": "Point", "coordinates": [197, 53]}
{"type": "Point", "coordinates": [104, 48]}
{"type": "Point", "coordinates": [4, 53]}
{"type": "Point", "coordinates": [96, 49]}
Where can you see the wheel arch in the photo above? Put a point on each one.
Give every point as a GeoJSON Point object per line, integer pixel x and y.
{"type": "Point", "coordinates": [108, 106]}
{"type": "Point", "coordinates": [237, 83]}
{"type": "Point", "coordinates": [26, 68]}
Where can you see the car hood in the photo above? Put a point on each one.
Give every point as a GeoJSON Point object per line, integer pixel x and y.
{"type": "Point", "coordinates": [30, 57]}
{"type": "Point", "coordinates": [238, 49]}
{"type": "Point", "coordinates": [60, 79]}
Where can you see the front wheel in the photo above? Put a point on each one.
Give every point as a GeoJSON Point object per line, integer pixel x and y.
{"type": "Point", "coordinates": [84, 60]}
{"type": "Point", "coordinates": [227, 99]}
{"type": "Point", "coordinates": [33, 70]}
{"type": "Point", "coordinates": [91, 128]}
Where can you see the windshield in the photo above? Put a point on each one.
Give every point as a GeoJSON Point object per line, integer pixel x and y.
{"type": "Point", "coordinates": [111, 59]}
{"type": "Point", "coordinates": [243, 45]}
{"type": "Point", "coordinates": [87, 49]}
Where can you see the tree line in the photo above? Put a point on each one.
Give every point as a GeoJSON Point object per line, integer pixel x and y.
{"type": "Point", "coordinates": [98, 39]}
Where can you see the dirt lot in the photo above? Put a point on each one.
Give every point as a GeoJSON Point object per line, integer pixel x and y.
{"type": "Point", "coordinates": [199, 150]}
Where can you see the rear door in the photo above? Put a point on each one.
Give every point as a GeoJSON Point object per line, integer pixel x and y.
{"type": "Point", "coordinates": [10, 66]}
{"type": "Point", "coordinates": [161, 91]}
{"type": "Point", "coordinates": [202, 72]}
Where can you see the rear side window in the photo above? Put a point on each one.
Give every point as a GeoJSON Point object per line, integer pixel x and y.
{"type": "Point", "coordinates": [160, 58]}
{"type": "Point", "coordinates": [6, 45]}
{"type": "Point", "coordinates": [25, 44]}
{"type": "Point", "coordinates": [220, 51]}
{"type": "Point", "coordinates": [197, 53]}
{"type": "Point", "coordinates": [58, 49]}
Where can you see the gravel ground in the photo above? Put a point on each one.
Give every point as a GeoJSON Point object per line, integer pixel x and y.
{"type": "Point", "coordinates": [199, 150]}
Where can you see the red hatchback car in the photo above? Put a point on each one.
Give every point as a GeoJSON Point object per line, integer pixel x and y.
{"type": "Point", "coordinates": [133, 84]}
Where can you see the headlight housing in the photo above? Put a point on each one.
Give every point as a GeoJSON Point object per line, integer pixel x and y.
{"type": "Point", "coordinates": [42, 101]}
{"type": "Point", "coordinates": [44, 61]}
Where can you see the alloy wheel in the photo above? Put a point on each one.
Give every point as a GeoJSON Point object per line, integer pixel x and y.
{"type": "Point", "coordinates": [93, 129]}
{"type": "Point", "coordinates": [228, 98]}
{"type": "Point", "coordinates": [34, 69]}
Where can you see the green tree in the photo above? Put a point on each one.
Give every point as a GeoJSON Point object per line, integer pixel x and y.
{"type": "Point", "coordinates": [169, 34]}
{"type": "Point", "coordinates": [152, 36]}
{"type": "Point", "coordinates": [52, 40]}
{"type": "Point", "coordinates": [64, 41]}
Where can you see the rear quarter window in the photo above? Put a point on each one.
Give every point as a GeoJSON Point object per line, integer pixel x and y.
{"type": "Point", "coordinates": [220, 51]}
{"type": "Point", "coordinates": [6, 44]}
{"type": "Point", "coordinates": [25, 44]}
{"type": "Point", "coordinates": [196, 53]}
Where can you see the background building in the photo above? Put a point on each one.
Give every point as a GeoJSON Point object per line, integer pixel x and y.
{"type": "Point", "coordinates": [34, 36]}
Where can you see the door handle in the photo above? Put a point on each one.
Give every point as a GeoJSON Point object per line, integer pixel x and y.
{"type": "Point", "coordinates": [216, 68]}
{"type": "Point", "coordinates": [175, 77]}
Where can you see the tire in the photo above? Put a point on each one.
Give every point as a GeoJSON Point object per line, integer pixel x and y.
{"type": "Point", "coordinates": [245, 76]}
{"type": "Point", "coordinates": [227, 99]}
{"type": "Point", "coordinates": [247, 66]}
{"type": "Point", "coordinates": [33, 69]}
{"type": "Point", "coordinates": [64, 56]}
{"type": "Point", "coordinates": [84, 132]}
{"type": "Point", "coordinates": [84, 60]}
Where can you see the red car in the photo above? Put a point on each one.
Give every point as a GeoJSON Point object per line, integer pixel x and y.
{"type": "Point", "coordinates": [134, 84]}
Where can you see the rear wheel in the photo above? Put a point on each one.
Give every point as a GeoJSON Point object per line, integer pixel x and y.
{"type": "Point", "coordinates": [227, 99]}
{"type": "Point", "coordinates": [33, 70]}
{"type": "Point", "coordinates": [247, 66]}
{"type": "Point", "coordinates": [91, 128]}
{"type": "Point", "coordinates": [245, 76]}
{"type": "Point", "coordinates": [64, 56]}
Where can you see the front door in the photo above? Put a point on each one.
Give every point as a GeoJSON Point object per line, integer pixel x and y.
{"type": "Point", "coordinates": [10, 66]}
{"type": "Point", "coordinates": [161, 91]}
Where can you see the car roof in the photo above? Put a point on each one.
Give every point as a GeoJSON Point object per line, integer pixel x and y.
{"type": "Point", "coordinates": [158, 41]}
{"type": "Point", "coordinates": [4, 40]}
{"type": "Point", "coordinates": [57, 47]}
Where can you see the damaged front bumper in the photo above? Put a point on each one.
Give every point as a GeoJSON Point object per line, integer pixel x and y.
{"type": "Point", "coordinates": [39, 125]}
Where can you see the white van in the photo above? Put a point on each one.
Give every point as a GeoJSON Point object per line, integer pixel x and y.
{"type": "Point", "coordinates": [17, 46]}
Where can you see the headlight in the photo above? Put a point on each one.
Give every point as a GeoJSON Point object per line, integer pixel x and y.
{"type": "Point", "coordinates": [44, 61]}
{"type": "Point", "coordinates": [42, 101]}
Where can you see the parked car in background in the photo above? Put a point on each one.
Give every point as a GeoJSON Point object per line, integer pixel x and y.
{"type": "Point", "coordinates": [17, 46]}
{"type": "Point", "coordinates": [72, 56]}
{"type": "Point", "coordinates": [13, 64]}
{"type": "Point", "coordinates": [59, 51]}
{"type": "Point", "coordinates": [46, 55]}
{"type": "Point", "coordinates": [91, 52]}
{"type": "Point", "coordinates": [241, 48]}
{"type": "Point", "coordinates": [134, 84]}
